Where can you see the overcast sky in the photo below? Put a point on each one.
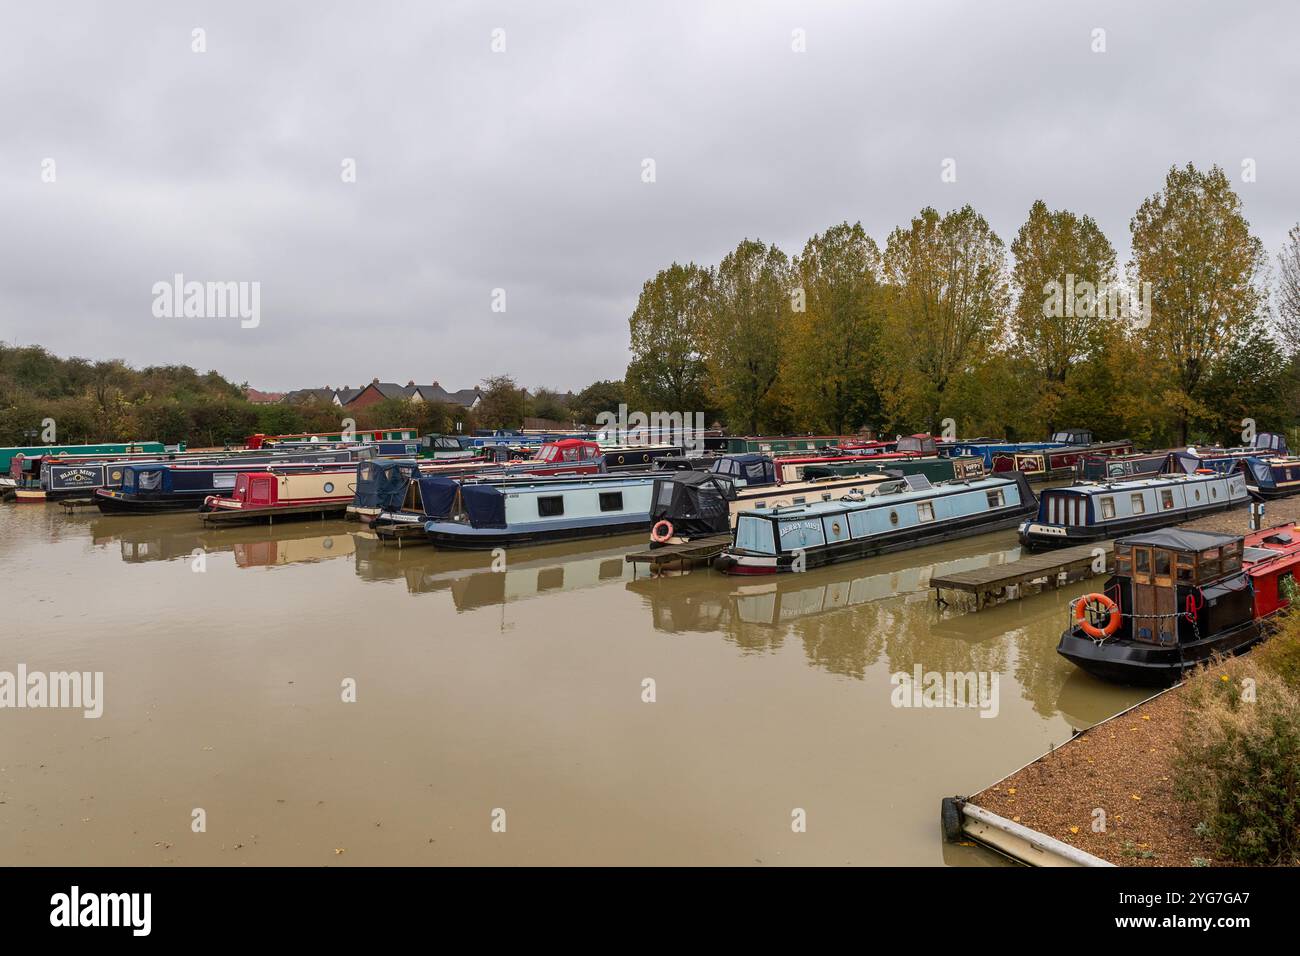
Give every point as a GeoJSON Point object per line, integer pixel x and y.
{"type": "Point", "coordinates": [522, 170]}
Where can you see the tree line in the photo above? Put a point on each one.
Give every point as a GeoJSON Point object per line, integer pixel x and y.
{"type": "Point", "coordinates": [1180, 344]}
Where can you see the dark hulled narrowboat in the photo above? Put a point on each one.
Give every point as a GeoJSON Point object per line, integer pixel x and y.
{"type": "Point", "coordinates": [1178, 598]}
{"type": "Point", "coordinates": [1092, 512]}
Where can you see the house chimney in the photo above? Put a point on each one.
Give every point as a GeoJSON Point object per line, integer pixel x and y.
{"type": "Point", "coordinates": [411, 383]}
{"type": "Point", "coordinates": [374, 381]}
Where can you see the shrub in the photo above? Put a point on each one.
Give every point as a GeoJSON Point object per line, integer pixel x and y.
{"type": "Point", "coordinates": [1237, 762]}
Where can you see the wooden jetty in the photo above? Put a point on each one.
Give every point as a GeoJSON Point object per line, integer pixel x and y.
{"type": "Point", "coordinates": [235, 515]}
{"type": "Point", "coordinates": [681, 555]}
{"type": "Point", "coordinates": [1049, 568]}
{"type": "Point", "coordinates": [72, 504]}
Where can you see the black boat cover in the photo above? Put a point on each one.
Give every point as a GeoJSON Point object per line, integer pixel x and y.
{"type": "Point", "coordinates": [485, 505]}
{"type": "Point", "coordinates": [1181, 540]}
{"type": "Point", "coordinates": [694, 502]}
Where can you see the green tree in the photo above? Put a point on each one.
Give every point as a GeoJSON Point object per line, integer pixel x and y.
{"type": "Point", "coordinates": [829, 374]}
{"type": "Point", "coordinates": [602, 396]}
{"type": "Point", "coordinates": [667, 371]}
{"type": "Point", "coordinates": [502, 405]}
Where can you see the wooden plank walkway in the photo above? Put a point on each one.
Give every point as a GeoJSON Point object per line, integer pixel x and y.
{"type": "Point", "coordinates": [682, 555]}
{"type": "Point", "coordinates": [988, 584]}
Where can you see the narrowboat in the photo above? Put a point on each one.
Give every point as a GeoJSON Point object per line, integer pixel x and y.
{"type": "Point", "coordinates": [1177, 599]}
{"type": "Point", "coordinates": [935, 467]}
{"type": "Point", "coordinates": [635, 457]}
{"type": "Point", "coordinates": [34, 451]}
{"type": "Point", "coordinates": [362, 436]}
{"type": "Point", "coordinates": [71, 478]}
{"type": "Point", "coordinates": [449, 448]}
{"type": "Point", "coordinates": [482, 515]}
{"type": "Point", "coordinates": [777, 444]}
{"type": "Point", "coordinates": [698, 504]}
{"type": "Point", "coordinates": [1123, 467]}
{"type": "Point", "coordinates": [381, 485]}
{"type": "Point", "coordinates": [261, 494]}
{"type": "Point", "coordinates": [1268, 478]}
{"type": "Point", "coordinates": [896, 515]}
{"type": "Point", "coordinates": [1049, 464]}
{"type": "Point", "coordinates": [153, 487]}
{"type": "Point", "coordinates": [1094, 511]}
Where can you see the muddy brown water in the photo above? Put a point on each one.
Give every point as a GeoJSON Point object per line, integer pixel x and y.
{"type": "Point", "coordinates": [482, 691]}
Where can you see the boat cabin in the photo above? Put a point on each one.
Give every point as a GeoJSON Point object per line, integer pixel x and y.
{"type": "Point", "coordinates": [917, 445]}
{"type": "Point", "coordinates": [1075, 436]}
{"type": "Point", "coordinates": [569, 450]}
{"type": "Point", "coordinates": [1172, 585]}
{"type": "Point", "coordinates": [748, 470]}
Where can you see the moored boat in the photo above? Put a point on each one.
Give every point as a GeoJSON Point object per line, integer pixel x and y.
{"type": "Point", "coordinates": [263, 494]}
{"type": "Point", "coordinates": [895, 516]}
{"type": "Point", "coordinates": [1177, 599]}
{"type": "Point", "coordinates": [1093, 511]}
{"type": "Point", "coordinates": [1121, 467]}
{"type": "Point", "coordinates": [690, 505]}
{"type": "Point", "coordinates": [486, 515]}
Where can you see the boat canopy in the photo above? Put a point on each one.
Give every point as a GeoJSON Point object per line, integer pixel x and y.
{"type": "Point", "coordinates": [1176, 540]}
{"type": "Point", "coordinates": [1076, 436]}
{"type": "Point", "coordinates": [438, 495]}
{"type": "Point", "coordinates": [918, 444]}
{"type": "Point", "coordinates": [382, 483]}
{"type": "Point", "coordinates": [485, 505]}
{"type": "Point", "coordinates": [694, 502]}
{"type": "Point", "coordinates": [752, 469]}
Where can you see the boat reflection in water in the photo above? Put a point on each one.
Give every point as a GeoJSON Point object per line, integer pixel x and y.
{"type": "Point", "coordinates": [882, 613]}
{"type": "Point", "coordinates": [177, 537]}
{"type": "Point", "coordinates": [476, 579]}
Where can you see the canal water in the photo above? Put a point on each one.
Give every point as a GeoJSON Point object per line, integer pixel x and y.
{"type": "Point", "coordinates": [499, 715]}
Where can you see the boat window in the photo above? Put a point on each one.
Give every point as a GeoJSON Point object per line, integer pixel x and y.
{"type": "Point", "coordinates": [1162, 563]}
{"type": "Point", "coordinates": [760, 504]}
{"type": "Point", "coordinates": [1107, 508]}
{"type": "Point", "coordinates": [1139, 506]}
{"type": "Point", "coordinates": [925, 511]}
{"type": "Point", "coordinates": [1166, 499]}
{"type": "Point", "coordinates": [800, 500]}
{"type": "Point", "coordinates": [995, 499]}
{"type": "Point", "coordinates": [611, 501]}
{"type": "Point", "coordinates": [755, 534]}
{"type": "Point", "coordinates": [1123, 562]}
{"type": "Point", "coordinates": [665, 496]}
{"type": "Point", "coordinates": [1186, 569]}
{"type": "Point", "coordinates": [826, 496]}
{"type": "Point", "coordinates": [1142, 560]}
{"type": "Point", "coordinates": [550, 507]}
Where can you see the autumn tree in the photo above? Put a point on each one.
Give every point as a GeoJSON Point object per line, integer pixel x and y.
{"type": "Point", "coordinates": [1194, 245]}
{"type": "Point", "coordinates": [948, 296]}
{"type": "Point", "coordinates": [1063, 266]}
{"type": "Point", "coordinates": [1288, 291]}
{"type": "Point", "coordinates": [834, 330]}
{"type": "Point", "coordinates": [748, 315]}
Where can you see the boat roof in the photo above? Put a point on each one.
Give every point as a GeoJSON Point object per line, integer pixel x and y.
{"type": "Point", "coordinates": [1107, 487]}
{"type": "Point", "coordinates": [1177, 540]}
{"type": "Point", "coordinates": [818, 508]}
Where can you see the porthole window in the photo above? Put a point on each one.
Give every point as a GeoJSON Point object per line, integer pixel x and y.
{"type": "Point", "coordinates": [329, 487]}
{"type": "Point", "coordinates": [893, 517]}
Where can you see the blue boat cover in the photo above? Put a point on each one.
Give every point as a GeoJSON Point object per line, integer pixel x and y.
{"type": "Point", "coordinates": [485, 505]}
{"type": "Point", "coordinates": [383, 484]}
{"type": "Point", "coordinates": [438, 495]}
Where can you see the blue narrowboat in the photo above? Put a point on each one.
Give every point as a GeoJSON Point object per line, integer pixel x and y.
{"type": "Point", "coordinates": [1268, 478]}
{"type": "Point", "coordinates": [895, 516]}
{"type": "Point", "coordinates": [150, 487]}
{"type": "Point", "coordinates": [1123, 467]}
{"type": "Point", "coordinates": [1095, 511]}
{"type": "Point", "coordinates": [494, 515]}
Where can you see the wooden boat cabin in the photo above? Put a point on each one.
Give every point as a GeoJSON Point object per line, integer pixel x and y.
{"type": "Point", "coordinates": [1095, 511]}
{"type": "Point", "coordinates": [896, 515]}
{"type": "Point", "coordinates": [258, 493]}
{"type": "Point", "coordinates": [483, 515]}
{"type": "Point", "coordinates": [1177, 598]}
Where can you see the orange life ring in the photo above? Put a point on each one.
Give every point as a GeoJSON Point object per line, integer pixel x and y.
{"type": "Point", "coordinates": [1092, 630]}
{"type": "Point", "coordinates": [659, 537]}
